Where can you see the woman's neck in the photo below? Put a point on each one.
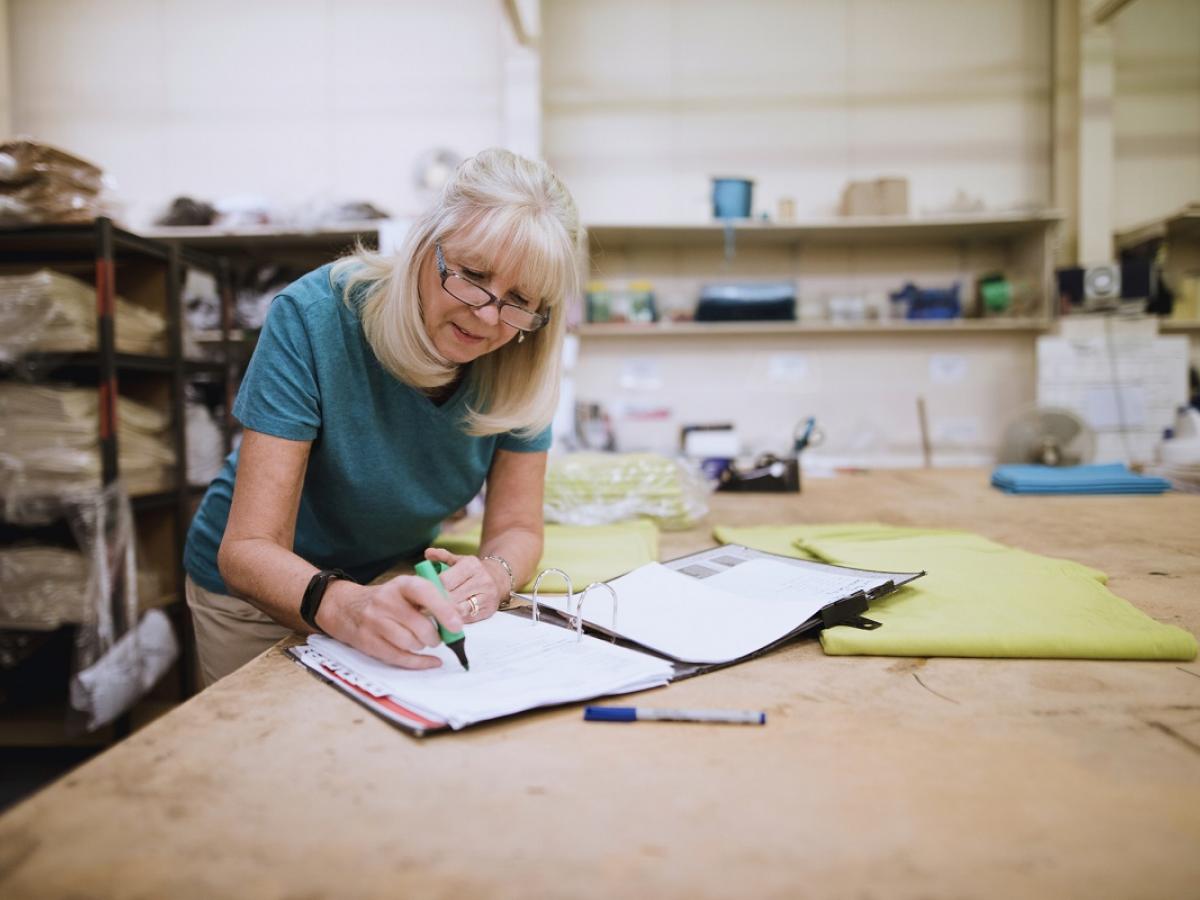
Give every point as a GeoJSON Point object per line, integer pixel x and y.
{"type": "Point", "coordinates": [439, 395]}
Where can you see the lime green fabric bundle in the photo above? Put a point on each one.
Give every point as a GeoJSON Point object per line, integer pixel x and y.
{"type": "Point", "coordinates": [586, 553]}
{"type": "Point", "coordinates": [978, 598]}
{"type": "Point", "coordinates": [599, 488]}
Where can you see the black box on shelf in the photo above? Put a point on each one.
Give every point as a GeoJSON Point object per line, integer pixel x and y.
{"type": "Point", "coordinates": [750, 302]}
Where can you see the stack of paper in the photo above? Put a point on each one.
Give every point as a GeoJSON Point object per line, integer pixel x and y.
{"type": "Point", "coordinates": [1112, 478]}
{"type": "Point", "coordinates": [516, 665]}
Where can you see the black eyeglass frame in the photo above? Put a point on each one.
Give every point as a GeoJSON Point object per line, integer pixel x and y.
{"type": "Point", "coordinates": [445, 272]}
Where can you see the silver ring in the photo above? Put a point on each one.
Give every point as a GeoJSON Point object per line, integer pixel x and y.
{"type": "Point", "coordinates": [474, 605]}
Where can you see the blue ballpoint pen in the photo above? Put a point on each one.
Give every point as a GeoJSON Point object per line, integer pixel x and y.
{"type": "Point", "coordinates": [644, 714]}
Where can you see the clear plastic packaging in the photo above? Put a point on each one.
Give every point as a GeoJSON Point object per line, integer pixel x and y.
{"type": "Point", "coordinates": [51, 312]}
{"type": "Point", "coordinates": [49, 442]}
{"type": "Point", "coordinates": [117, 656]}
{"type": "Point", "coordinates": [599, 488]}
{"type": "Point", "coordinates": [43, 587]}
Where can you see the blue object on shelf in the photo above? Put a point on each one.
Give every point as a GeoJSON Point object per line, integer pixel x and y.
{"type": "Point", "coordinates": [928, 303]}
{"type": "Point", "coordinates": [731, 198]}
{"type": "Point", "coordinates": [1109, 478]}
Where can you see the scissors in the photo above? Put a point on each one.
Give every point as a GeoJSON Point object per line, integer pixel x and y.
{"type": "Point", "coordinates": [806, 435]}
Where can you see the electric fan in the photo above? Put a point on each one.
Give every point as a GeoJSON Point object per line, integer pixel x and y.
{"type": "Point", "coordinates": [1048, 436]}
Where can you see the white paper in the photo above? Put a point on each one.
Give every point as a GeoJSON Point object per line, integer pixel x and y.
{"type": "Point", "coordinates": [948, 368]}
{"type": "Point", "coordinates": [685, 618]}
{"type": "Point", "coordinates": [719, 618]}
{"type": "Point", "coordinates": [515, 665]}
{"type": "Point", "coordinates": [805, 590]}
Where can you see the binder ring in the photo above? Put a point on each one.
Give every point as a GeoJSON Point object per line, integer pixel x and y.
{"type": "Point", "coordinates": [577, 621]}
{"type": "Point", "coordinates": [537, 581]}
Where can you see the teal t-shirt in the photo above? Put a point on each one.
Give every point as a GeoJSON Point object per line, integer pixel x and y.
{"type": "Point", "coordinates": [386, 465]}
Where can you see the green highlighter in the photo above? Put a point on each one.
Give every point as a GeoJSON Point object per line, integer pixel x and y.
{"type": "Point", "coordinates": [455, 640]}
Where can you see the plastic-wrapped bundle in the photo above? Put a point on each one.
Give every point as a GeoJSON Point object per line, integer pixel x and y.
{"type": "Point", "coordinates": [598, 488]}
{"type": "Point", "coordinates": [52, 312]}
{"type": "Point", "coordinates": [49, 445]}
{"type": "Point", "coordinates": [44, 587]}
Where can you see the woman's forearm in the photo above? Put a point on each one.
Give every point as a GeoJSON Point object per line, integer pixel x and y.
{"type": "Point", "coordinates": [521, 548]}
{"type": "Point", "coordinates": [268, 576]}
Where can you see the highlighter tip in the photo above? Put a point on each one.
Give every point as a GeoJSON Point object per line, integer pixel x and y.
{"type": "Point", "coordinates": [460, 652]}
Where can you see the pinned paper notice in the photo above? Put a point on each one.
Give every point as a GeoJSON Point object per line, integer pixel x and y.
{"type": "Point", "coordinates": [948, 368]}
{"type": "Point", "coordinates": [787, 368]}
{"type": "Point", "coordinates": [641, 374]}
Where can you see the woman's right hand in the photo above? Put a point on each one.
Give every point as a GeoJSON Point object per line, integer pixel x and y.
{"type": "Point", "coordinates": [389, 621]}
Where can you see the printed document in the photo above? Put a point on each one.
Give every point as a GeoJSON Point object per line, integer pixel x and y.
{"type": "Point", "coordinates": [516, 664]}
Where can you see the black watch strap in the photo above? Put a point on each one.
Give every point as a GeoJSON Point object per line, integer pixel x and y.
{"type": "Point", "coordinates": [315, 592]}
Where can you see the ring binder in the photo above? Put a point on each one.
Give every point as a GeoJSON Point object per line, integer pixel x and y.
{"type": "Point", "coordinates": [682, 618]}
{"type": "Point", "coordinates": [533, 599]}
{"type": "Point", "coordinates": [577, 623]}
{"type": "Point", "coordinates": [722, 605]}
{"type": "Point", "coordinates": [576, 619]}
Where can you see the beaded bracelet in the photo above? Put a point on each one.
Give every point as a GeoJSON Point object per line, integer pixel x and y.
{"type": "Point", "coordinates": [504, 601]}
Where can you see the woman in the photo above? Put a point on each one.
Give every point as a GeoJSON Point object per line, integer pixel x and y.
{"type": "Point", "coordinates": [382, 394]}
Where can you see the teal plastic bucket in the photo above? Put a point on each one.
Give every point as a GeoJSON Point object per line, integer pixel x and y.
{"type": "Point", "coordinates": [731, 198]}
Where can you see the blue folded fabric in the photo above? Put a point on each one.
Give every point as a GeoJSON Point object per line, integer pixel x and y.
{"type": "Point", "coordinates": [1110, 478]}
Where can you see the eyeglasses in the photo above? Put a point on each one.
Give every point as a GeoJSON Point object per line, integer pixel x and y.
{"type": "Point", "coordinates": [465, 291]}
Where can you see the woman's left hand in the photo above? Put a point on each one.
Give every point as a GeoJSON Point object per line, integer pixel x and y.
{"type": "Point", "coordinates": [471, 584]}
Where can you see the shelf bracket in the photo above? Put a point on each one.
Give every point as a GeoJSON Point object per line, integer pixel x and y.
{"type": "Point", "coordinates": [730, 241]}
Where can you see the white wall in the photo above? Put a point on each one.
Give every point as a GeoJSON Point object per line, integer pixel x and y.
{"type": "Point", "coordinates": [646, 100]}
{"type": "Point", "coordinates": [1156, 115]}
{"type": "Point", "coordinates": [862, 388]}
{"type": "Point", "coordinates": [300, 101]}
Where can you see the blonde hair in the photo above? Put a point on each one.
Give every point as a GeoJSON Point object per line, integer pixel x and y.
{"type": "Point", "coordinates": [519, 208]}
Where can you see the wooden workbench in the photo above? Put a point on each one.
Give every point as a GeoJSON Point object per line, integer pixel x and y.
{"type": "Point", "coordinates": [874, 777]}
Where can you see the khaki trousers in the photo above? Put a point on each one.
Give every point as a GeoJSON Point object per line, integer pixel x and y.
{"type": "Point", "coordinates": [229, 632]}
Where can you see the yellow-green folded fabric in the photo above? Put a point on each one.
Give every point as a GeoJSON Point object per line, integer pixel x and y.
{"type": "Point", "coordinates": [586, 553]}
{"type": "Point", "coordinates": [978, 598]}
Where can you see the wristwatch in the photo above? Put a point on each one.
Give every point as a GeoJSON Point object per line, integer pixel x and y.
{"type": "Point", "coordinates": [315, 592]}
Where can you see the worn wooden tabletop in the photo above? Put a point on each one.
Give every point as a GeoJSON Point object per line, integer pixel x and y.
{"type": "Point", "coordinates": [874, 777]}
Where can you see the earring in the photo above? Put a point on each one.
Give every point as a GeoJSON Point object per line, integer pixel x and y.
{"type": "Point", "coordinates": [521, 338]}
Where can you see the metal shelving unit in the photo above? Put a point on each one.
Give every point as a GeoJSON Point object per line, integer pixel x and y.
{"type": "Point", "coordinates": [150, 273]}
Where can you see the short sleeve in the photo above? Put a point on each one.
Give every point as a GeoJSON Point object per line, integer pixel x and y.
{"type": "Point", "coordinates": [279, 394]}
{"type": "Point", "coordinates": [535, 444]}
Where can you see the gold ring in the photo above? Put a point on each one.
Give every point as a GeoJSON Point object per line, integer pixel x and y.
{"type": "Point", "coordinates": [474, 605]}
